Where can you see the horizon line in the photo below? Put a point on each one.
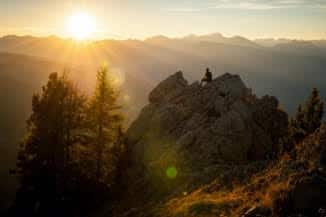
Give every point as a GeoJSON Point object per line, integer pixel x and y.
{"type": "Point", "coordinates": [160, 35]}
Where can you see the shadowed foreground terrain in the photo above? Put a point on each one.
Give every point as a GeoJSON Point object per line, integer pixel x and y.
{"type": "Point", "coordinates": [218, 150]}
{"type": "Point", "coordinates": [196, 149]}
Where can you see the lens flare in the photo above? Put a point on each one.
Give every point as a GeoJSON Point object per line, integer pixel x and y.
{"type": "Point", "coordinates": [171, 172]}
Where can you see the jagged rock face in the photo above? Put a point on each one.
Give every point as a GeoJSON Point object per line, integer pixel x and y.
{"type": "Point", "coordinates": [194, 126]}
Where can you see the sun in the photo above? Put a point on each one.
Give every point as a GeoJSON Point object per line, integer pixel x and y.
{"type": "Point", "coordinates": [81, 26]}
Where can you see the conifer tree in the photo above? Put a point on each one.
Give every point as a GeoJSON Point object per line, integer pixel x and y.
{"type": "Point", "coordinates": [313, 112]}
{"type": "Point", "coordinates": [297, 126]}
{"type": "Point", "coordinates": [65, 137]}
{"type": "Point", "coordinates": [308, 117]}
{"type": "Point", "coordinates": [43, 158]}
{"type": "Point", "coordinates": [105, 122]}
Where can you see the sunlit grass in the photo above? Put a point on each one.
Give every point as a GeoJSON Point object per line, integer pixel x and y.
{"type": "Point", "coordinates": [262, 189]}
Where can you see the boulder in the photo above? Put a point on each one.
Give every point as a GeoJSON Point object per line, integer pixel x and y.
{"type": "Point", "coordinates": [308, 194]}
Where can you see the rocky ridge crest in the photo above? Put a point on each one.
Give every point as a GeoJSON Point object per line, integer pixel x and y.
{"type": "Point", "coordinates": [195, 126]}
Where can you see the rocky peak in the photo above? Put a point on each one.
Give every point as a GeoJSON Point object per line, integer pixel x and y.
{"type": "Point", "coordinates": [168, 88]}
{"type": "Point", "coordinates": [195, 126]}
{"type": "Point", "coordinates": [173, 86]}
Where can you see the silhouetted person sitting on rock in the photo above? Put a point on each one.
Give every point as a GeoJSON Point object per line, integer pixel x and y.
{"type": "Point", "coordinates": [208, 77]}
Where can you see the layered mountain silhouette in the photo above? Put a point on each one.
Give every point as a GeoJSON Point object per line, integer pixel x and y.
{"type": "Point", "coordinates": [214, 38]}
{"type": "Point", "coordinates": [143, 64]}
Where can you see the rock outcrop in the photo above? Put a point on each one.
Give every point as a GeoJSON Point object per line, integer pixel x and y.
{"type": "Point", "coordinates": [193, 126]}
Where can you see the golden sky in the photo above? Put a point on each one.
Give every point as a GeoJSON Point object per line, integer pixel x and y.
{"type": "Point", "coordinates": [301, 19]}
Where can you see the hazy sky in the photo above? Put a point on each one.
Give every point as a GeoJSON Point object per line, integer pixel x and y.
{"type": "Point", "coordinates": [303, 19]}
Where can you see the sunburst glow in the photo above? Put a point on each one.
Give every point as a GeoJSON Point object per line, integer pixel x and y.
{"type": "Point", "coordinates": [81, 26]}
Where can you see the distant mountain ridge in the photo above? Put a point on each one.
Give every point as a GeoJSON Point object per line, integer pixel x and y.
{"type": "Point", "coordinates": [214, 37]}
{"type": "Point", "coordinates": [142, 64]}
{"type": "Point", "coordinates": [10, 40]}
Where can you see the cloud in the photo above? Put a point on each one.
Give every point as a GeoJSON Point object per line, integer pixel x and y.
{"type": "Point", "coordinates": [250, 5]}
{"type": "Point", "coordinates": [246, 5]}
{"type": "Point", "coordinates": [184, 10]}
{"type": "Point", "coordinates": [267, 4]}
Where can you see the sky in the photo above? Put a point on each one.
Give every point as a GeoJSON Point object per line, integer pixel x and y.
{"type": "Point", "coordinates": [299, 19]}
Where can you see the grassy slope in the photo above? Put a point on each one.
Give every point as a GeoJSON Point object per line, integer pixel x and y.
{"type": "Point", "coordinates": [268, 188]}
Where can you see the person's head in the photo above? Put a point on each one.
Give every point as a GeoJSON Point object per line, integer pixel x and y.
{"type": "Point", "coordinates": [207, 69]}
